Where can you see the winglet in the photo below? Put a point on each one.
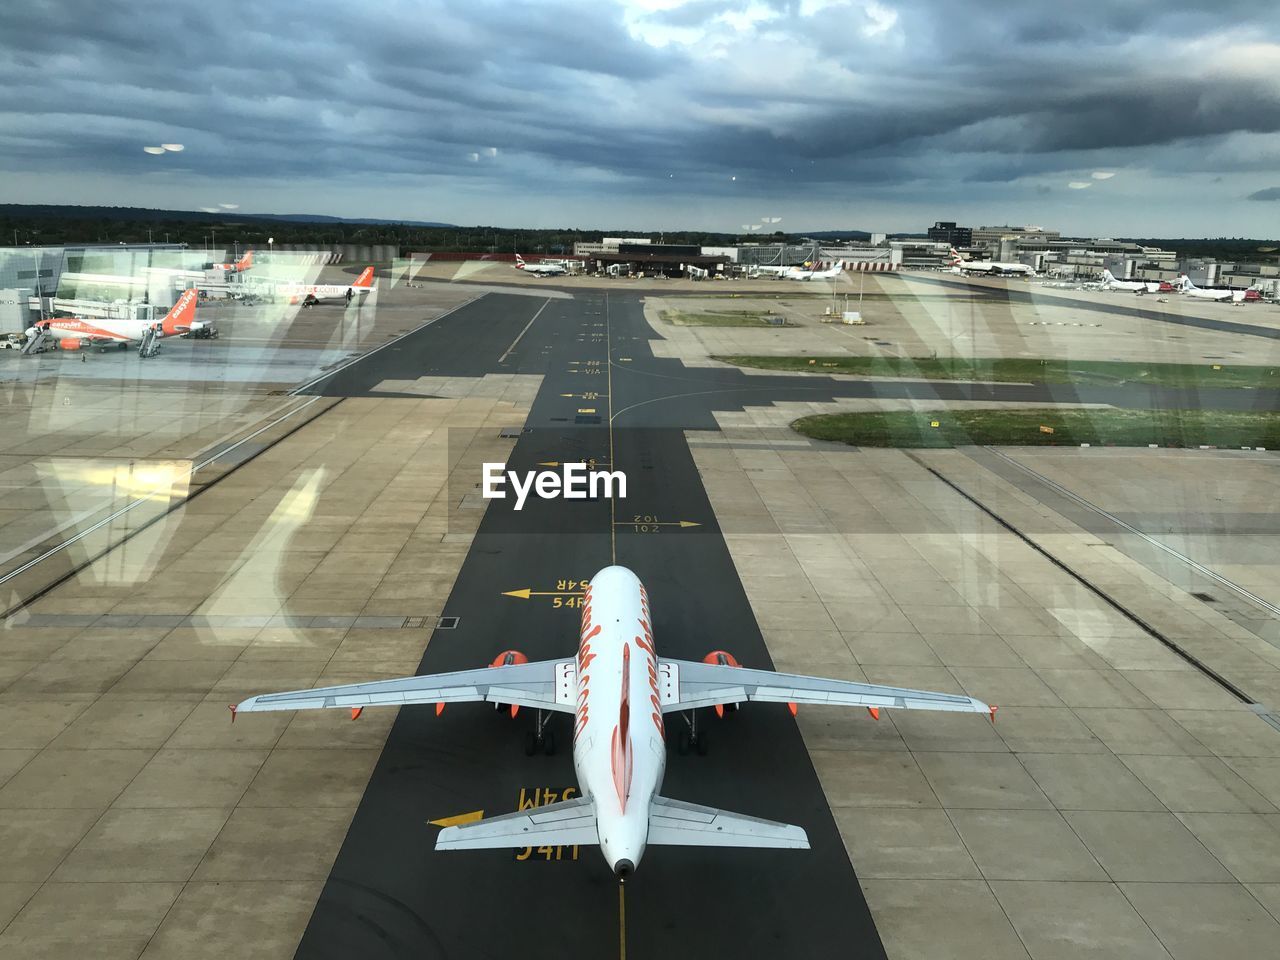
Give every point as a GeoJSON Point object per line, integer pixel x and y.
{"type": "Point", "coordinates": [439, 708]}
{"type": "Point", "coordinates": [875, 712]}
{"type": "Point", "coordinates": [355, 712]}
{"type": "Point", "coordinates": [232, 707]}
{"type": "Point", "coordinates": [793, 708]}
{"type": "Point", "coordinates": [993, 708]}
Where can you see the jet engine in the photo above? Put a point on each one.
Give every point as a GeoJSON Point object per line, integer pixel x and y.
{"type": "Point", "coordinates": [505, 659]}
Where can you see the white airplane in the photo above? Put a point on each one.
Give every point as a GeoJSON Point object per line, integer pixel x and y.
{"type": "Point", "coordinates": [989, 267]}
{"type": "Point", "coordinates": [806, 273]}
{"type": "Point", "coordinates": [756, 270]}
{"type": "Point", "coordinates": [1191, 290]}
{"type": "Point", "coordinates": [1109, 282]}
{"type": "Point", "coordinates": [315, 292]}
{"type": "Point", "coordinates": [73, 333]}
{"type": "Point", "coordinates": [619, 692]}
{"type": "Point", "coordinates": [546, 268]}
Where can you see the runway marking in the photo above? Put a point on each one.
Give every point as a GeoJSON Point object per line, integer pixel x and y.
{"type": "Point", "coordinates": [458, 819]}
{"type": "Point", "coordinates": [503, 358]}
{"type": "Point", "coordinates": [542, 796]}
{"type": "Point", "coordinates": [569, 594]}
{"type": "Point", "coordinates": [622, 921]}
{"type": "Point", "coordinates": [613, 500]}
{"type": "Point", "coordinates": [644, 522]}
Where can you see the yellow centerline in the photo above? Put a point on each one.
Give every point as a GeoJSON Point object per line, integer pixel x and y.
{"type": "Point", "coordinates": [613, 501]}
{"type": "Point", "coordinates": [622, 921]}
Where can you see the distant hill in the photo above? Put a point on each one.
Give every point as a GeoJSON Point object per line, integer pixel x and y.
{"type": "Point", "coordinates": [46, 211]}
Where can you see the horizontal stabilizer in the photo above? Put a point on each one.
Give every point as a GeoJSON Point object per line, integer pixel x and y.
{"type": "Point", "coordinates": [568, 823]}
{"type": "Point", "coordinates": [677, 823]}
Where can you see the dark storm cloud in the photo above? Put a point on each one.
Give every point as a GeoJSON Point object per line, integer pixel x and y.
{"type": "Point", "coordinates": [1271, 193]}
{"type": "Point", "coordinates": [606, 97]}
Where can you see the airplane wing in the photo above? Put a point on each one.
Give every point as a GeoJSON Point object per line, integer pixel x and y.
{"type": "Point", "coordinates": [568, 823]}
{"type": "Point", "coordinates": [689, 685]}
{"type": "Point", "coordinates": [544, 685]}
{"type": "Point", "coordinates": [677, 823]}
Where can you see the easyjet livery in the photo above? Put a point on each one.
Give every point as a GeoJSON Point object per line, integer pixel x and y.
{"type": "Point", "coordinates": [299, 292]}
{"type": "Point", "coordinates": [620, 694]}
{"type": "Point", "coordinates": [240, 266]}
{"type": "Point", "coordinates": [73, 333]}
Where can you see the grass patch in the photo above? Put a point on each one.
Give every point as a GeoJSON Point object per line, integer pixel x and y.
{"type": "Point", "coordinates": [1100, 427]}
{"type": "Point", "coordinates": [1022, 370]}
{"type": "Point", "coordinates": [719, 318]}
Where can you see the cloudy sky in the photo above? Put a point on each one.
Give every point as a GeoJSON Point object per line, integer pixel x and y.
{"type": "Point", "coordinates": [1107, 117]}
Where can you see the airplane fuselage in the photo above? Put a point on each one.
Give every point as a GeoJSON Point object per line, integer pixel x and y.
{"type": "Point", "coordinates": [179, 320]}
{"type": "Point", "coordinates": [619, 745]}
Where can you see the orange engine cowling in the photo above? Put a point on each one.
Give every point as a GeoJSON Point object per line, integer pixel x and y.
{"type": "Point", "coordinates": [505, 659]}
{"type": "Point", "coordinates": [69, 343]}
{"type": "Point", "coordinates": [722, 658]}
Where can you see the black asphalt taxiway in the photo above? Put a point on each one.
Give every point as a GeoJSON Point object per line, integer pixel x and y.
{"type": "Point", "coordinates": [604, 398]}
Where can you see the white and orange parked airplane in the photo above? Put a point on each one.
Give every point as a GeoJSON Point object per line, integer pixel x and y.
{"type": "Point", "coordinates": [315, 292]}
{"type": "Point", "coordinates": [73, 333]}
{"type": "Point", "coordinates": [240, 266]}
{"type": "Point", "coordinates": [619, 691]}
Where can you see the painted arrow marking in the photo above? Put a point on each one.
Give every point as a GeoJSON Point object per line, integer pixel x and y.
{"type": "Point", "coordinates": [655, 523]}
{"type": "Point", "coordinates": [528, 592]}
{"type": "Point", "coordinates": [458, 819]}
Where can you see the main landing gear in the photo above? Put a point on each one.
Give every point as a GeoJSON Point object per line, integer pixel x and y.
{"type": "Point", "coordinates": [540, 739]}
{"type": "Point", "coordinates": [692, 738]}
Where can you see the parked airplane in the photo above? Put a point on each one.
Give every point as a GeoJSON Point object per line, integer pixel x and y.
{"type": "Point", "coordinates": [806, 273]}
{"type": "Point", "coordinates": [546, 268]}
{"type": "Point", "coordinates": [72, 333]}
{"type": "Point", "coordinates": [756, 270]}
{"type": "Point", "coordinates": [1236, 296]}
{"type": "Point", "coordinates": [308, 293]}
{"type": "Point", "coordinates": [988, 267]}
{"type": "Point", "coordinates": [619, 692]}
{"type": "Point", "coordinates": [241, 265]}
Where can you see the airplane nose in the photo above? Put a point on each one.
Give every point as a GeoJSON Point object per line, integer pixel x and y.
{"type": "Point", "coordinates": [624, 869]}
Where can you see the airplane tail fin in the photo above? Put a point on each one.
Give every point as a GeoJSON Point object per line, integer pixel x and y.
{"type": "Point", "coordinates": [365, 280]}
{"type": "Point", "coordinates": [1108, 276]}
{"type": "Point", "coordinates": [676, 823]}
{"type": "Point", "coordinates": [181, 315]}
{"type": "Point", "coordinates": [245, 262]}
{"type": "Point", "coordinates": [519, 262]}
{"type": "Point", "coordinates": [1186, 283]}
